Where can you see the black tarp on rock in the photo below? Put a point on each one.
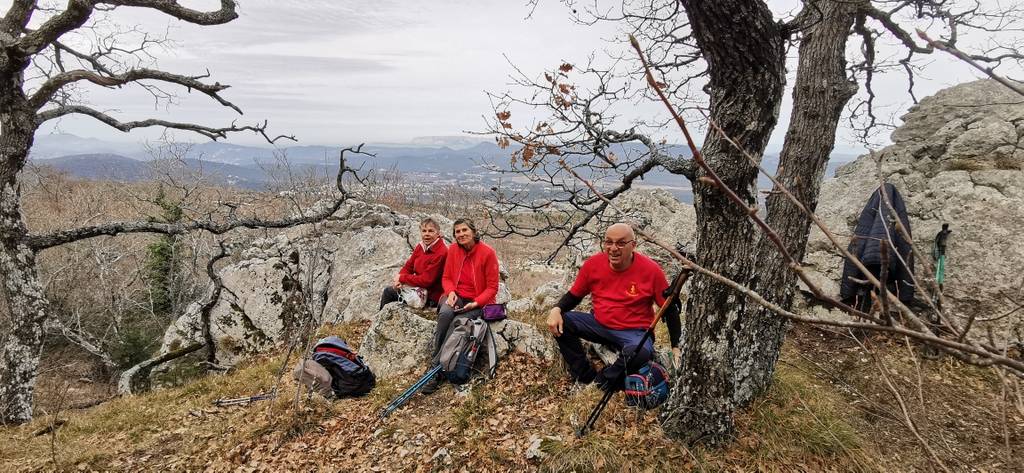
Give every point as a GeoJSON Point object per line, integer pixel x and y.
{"type": "Point", "coordinates": [876, 226]}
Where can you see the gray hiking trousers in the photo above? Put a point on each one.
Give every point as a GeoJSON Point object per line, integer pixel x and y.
{"type": "Point", "coordinates": [445, 316]}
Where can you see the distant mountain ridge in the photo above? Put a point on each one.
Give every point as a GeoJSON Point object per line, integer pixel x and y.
{"type": "Point", "coordinates": [103, 166]}
{"type": "Point", "coordinates": [247, 166]}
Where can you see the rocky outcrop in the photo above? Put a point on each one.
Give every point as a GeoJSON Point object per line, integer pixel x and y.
{"type": "Point", "coordinates": [399, 340]}
{"type": "Point", "coordinates": [329, 272]}
{"type": "Point", "coordinates": [262, 302]}
{"type": "Point", "coordinates": [957, 159]}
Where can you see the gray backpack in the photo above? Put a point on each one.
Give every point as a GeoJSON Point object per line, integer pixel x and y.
{"type": "Point", "coordinates": [460, 349]}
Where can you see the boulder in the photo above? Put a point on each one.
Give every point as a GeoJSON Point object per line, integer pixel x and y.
{"type": "Point", "coordinates": [955, 160]}
{"type": "Point", "coordinates": [364, 263]}
{"type": "Point", "coordinates": [398, 341]}
{"type": "Point", "coordinates": [261, 303]}
{"type": "Point", "coordinates": [295, 276]}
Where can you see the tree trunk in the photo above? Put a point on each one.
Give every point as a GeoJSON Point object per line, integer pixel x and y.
{"type": "Point", "coordinates": [19, 280]}
{"type": "Point", "coordinates": [731, 348]}
{"type": "Point", "coordinates": [820, 93]}
{"type": "Point", "coordinates": [743, 47]}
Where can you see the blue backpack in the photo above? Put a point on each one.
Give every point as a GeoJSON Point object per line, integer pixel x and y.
{"type": "Point", "coordinates": [350, 377]}
{"type": "Point", "coordinates": [647, 388]}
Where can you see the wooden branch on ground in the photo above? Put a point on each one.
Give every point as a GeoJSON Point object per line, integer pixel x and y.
{"type": "Point", "coordinates": [136, 378]}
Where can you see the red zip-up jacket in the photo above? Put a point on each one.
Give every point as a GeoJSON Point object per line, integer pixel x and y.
{"type": "Point", "coordinates": [423, 268]}
{"type": "Point", "coordinates": [484, 262]}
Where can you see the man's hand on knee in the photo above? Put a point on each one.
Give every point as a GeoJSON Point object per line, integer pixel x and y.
{"type": "Point", "coordinates": [555, 321]}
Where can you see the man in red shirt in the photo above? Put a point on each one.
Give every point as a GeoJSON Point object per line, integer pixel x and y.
{"type": "Point", "coordinates": [624, 286]}
{"type": "Point", "coordinates": [423, 268]}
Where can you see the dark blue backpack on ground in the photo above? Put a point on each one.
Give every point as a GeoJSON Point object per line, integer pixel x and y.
{"type": "Point", "coordinates": [350, 377]}
{"type": "Point", "coordinates": [647, 388]}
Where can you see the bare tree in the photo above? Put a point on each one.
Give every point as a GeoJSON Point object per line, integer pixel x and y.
{"type": "Point", "coordinates": [45, 60]}
{"type": "Point", "coordinates": [735, 50]}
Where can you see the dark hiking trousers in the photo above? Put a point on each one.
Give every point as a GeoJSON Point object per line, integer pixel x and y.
{"type": "Point", "coordinates": [389, 295]}
{"type": "Point", "coordinates": [581, 325]}
{"type": "Point", "coordinates": [445, 316]}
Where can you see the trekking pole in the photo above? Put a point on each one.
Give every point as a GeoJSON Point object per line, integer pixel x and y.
{"type": "Point", "coordinates": [410, 392]}
{"type": "Point", "coordinates": [244, 400]}
{"type": "Point", "coordinates": [677, 284]}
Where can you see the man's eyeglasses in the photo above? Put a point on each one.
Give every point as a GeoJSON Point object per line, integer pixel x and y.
{"type": "Point", "coordinates": [617, 244]}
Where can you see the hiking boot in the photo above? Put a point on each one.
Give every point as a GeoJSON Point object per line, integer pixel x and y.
{"type": "Point", "coordinates": [431, 385]}
{"type": "Point", "coordinates": [608, 385]}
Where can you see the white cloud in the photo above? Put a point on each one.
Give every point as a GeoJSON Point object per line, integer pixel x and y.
{"type": "Point", "coordinates": [346, 71]}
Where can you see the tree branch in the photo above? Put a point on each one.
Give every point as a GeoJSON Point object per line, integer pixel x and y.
{"type": "Point", "coordinates": [970, 60]}
{"type": "Point", "coordinates": [890, 25]}
{"type": "Point", "coordinates": [79, 11]}
{"type": "Point", "coordinates": [54, 84]}
{"type": "Point", "coordinates": [207, 308]}
{"type": "Point", "coordinates": [17, 17]}
{"type": "Point", "coordinates": [226, 13]}
{"type": "Point", "coordinates": [209, 132]}
{"type": "Point", "coordinates": [49, 240]}
{"type": "Point", "coordinates": [319, 211]}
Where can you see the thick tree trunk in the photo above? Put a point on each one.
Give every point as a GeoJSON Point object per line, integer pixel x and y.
{"type": "Point", "coordinates": [743, 47]}
{"type": "Point", "coordinates": [19, 361]}
{"type": "Point", "coordinates": [820, 93]}
{"type": "Point", "coordinates": [19, 281]}
{"type": "Point", "coordinates": [732, 345]}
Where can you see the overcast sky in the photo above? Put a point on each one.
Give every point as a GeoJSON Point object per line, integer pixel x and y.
{"type": "Point", "coordinates": [338, 72]}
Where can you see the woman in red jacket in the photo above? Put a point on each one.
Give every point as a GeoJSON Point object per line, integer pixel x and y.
{"type": "Point", "coordinates": [470, 282]}
{"type": "Point", "coordinates": [423, 268]}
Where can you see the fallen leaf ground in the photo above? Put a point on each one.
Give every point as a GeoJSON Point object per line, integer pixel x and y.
{"type": "Point", "coordinates": [826, 411]}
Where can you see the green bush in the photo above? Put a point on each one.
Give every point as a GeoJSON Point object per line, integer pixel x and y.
{"type": "Point", "coordinates": [162, 257]}
{"type": "Point", "coordinates": [136, 342]}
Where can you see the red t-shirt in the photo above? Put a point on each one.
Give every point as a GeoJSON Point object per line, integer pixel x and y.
{"type": "Point", "coordinates": [622, 300]}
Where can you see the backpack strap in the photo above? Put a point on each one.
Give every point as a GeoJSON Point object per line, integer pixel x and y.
{"type": "Point", "coordinates": [492, 351]}
{"type": "Point", "coordinates": [337, 351]}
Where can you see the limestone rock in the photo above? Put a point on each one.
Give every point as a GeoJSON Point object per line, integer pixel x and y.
{"type": "Point", "coordinates": [543, 298]}
{"type": "Point", "coordinates": [261, 303]}
{"type": "Point", "coordinates": [364, 265]}
{"type": "Point", "coordinates": [955, 160]}
{"type": "Point", "coordinates": [398, 341]}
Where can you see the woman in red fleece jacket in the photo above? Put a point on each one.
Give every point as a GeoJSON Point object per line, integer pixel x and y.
{"type": "Point", "coordinates": [470, 282]}
{"type": "Point", "coordinates": [423, 268]}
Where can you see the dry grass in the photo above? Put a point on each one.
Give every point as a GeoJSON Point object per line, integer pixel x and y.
{"type": "Point", "coordinates": [969, 165]}
{"type": "Point", "coordinates": [799, 425]}
{"type": "Point", "coordinates": [1009, 163]}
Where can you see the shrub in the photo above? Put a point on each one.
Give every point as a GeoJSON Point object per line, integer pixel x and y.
{"type": "Point", "coordinates": [1009, 163]}
{"type": "Point", "coordinates": [968, 165]}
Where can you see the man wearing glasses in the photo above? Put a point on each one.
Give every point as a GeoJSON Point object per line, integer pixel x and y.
{"type": "Point", "coordinates": [623, 286]}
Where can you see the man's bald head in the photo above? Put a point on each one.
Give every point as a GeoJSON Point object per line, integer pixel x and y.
{"type": "Point", "coordinates": [619, 243]}
{"type": "Point", "coordinates": [620, 231]}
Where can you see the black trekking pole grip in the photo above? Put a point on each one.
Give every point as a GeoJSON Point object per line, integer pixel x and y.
{"type": "Point", "coordinates": [677, 285]}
